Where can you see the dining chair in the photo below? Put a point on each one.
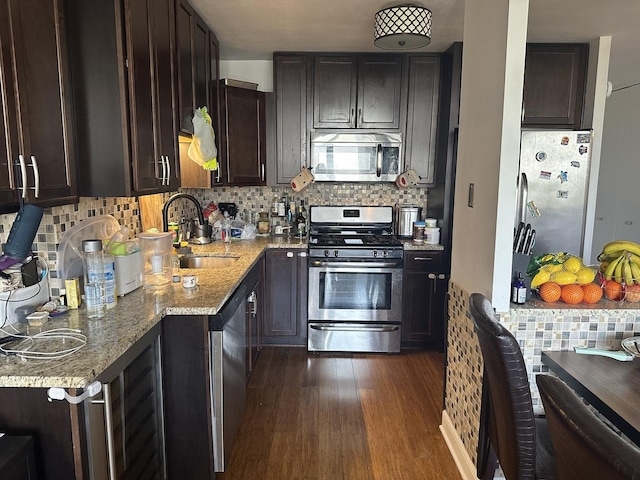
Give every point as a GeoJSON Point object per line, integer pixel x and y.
{"type": "Point", "coordinates": [584, 445]}
{"type": "Point", "coordinates": [510, 433]}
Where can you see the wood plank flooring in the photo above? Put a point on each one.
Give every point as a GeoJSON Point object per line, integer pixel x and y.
{"type": "Point", "coordinates": [342, 416]}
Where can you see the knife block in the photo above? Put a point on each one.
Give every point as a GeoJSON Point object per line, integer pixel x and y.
{"type": "Point", "coordinates": [519, 265]}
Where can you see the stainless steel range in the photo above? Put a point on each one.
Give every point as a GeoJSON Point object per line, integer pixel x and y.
{"type": "Point", "coordinates": [355, 280]}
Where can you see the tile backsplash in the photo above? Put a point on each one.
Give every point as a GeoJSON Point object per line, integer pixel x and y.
{"type": "Point", "coordinates": [57, 220]}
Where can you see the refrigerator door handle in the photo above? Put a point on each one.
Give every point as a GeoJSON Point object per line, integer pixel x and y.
{"type": "Point", "coordinates": [523, 197]}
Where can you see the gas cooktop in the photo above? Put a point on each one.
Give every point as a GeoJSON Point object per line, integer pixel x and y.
{"type": "Point", "coordinates": [351, 240]}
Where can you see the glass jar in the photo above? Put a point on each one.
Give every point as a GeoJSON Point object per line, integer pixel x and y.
{"type": "Point", "coordinates": [263, 223]}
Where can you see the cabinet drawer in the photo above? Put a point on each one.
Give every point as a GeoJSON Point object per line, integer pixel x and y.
{"type": "Point", "coordinates": [423, 261]}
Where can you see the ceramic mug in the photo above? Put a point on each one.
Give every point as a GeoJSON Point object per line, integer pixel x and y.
{"type": "Point", "coordinates": [189, 281]}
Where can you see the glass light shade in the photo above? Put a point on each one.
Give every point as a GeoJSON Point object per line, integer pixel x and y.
{"type": "Point", "coordinates": [403, 27]}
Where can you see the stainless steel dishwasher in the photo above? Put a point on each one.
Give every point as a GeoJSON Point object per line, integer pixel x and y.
{"type": "Point", "coordinates": [228, 369]}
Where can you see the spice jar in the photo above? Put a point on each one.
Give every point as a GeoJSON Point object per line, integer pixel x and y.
{"type": "Point", "coordinates": [418, 231]}
{"type": "Point", "coordinates": [263, 223]}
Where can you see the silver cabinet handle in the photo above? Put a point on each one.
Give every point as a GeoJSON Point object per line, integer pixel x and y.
{"type": "Point", "coordinates": [289, 254]}
{"type": "Point", "coordinates": [218, 172]}
{"type": "Point", "coordinates": [424, 259]}
{"type": "Point", "coordinates": [36, 175]}
{"type": "Point", "coordinates": [441, 276]}
{"type": "Point", "coordinates": [262, 172]}
{"type": "Point", "coordinates": [302, 254]}
{"type": "Point", "coordinates": [168, 169]}
{"type": "Point", "coordinates": [432, 276]}
{"type": "Point", "coordinates": [379, 160]}
{"type": "Point", "coordinates": [23, 174]}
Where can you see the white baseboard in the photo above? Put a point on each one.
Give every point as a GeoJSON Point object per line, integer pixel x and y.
{"type": "Point", "coordinates": [465, 466]}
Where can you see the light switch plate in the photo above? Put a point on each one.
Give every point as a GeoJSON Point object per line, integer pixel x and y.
{"type": "Point", "coordinates": [471, 192]}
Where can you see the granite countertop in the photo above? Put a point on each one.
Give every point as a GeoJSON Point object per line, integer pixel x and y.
{"type": "Point", "coordinates": [536, 306]}
{"type": "Point", "coordinates": [134, 315]}
{"type": "Point", "coordinates": [139, 312]}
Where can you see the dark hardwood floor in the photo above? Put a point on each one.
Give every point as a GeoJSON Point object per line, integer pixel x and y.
{"type": "Point", "coordinates": [342, 416]}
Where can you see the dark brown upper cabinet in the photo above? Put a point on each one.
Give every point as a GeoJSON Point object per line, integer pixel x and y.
{"type": "Point", "coordinates": [357, 91]}
{"type": "Point", "coordinates": [122, 60]}
{"type": "Point", "coordinates": [241, 140]}
{"type": "Point", "coordinates": [194, 73]}
{"type": "Point", "coordinates": [193, 175]}
{"type": "Point", "coordinates": [291, 96]}
{"type": "Point", "coordinates": [37, 160]}
{"type": "Point", "coordinates": [554, 85]}
{"type": "Point", "coordinates": [422, 115]}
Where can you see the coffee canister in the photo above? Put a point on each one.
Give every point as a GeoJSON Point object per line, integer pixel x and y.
{"type": "Point", "coordinates": [406, 216]}
{"type": "Point", "coordinates": [418, 232]}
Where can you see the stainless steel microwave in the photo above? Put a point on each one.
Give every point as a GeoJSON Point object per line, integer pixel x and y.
{"type": "Point", "coordinates": [356, 157]}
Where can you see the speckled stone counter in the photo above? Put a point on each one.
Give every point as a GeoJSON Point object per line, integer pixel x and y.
{"type": "Point", "coordinates": [409, 245]}
{"type": "Point", "coordinates": [136, 314]}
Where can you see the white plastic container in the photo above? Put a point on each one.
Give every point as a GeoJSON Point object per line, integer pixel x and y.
{"type": "Point", "coordinates": [432, 235]}
{"type": "Point", "coordinates": [431, 222]}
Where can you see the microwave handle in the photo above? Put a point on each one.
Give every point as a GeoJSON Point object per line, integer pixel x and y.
{"type": "Point", "coordinates": [379, 161]}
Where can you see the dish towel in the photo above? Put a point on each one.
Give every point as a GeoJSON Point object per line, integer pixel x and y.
{"type": "Point", "coordinates": [202, 149]}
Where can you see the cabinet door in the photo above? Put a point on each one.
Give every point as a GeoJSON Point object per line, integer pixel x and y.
{"type": "Point", "coordinates": [422, 116]}
{"type": "Point", "coordinates": [422, 325]}
{"type": "Point", "coordinates": [554, 83]}
{"type": "Point", "coordinates": [291, 116]}
{"type": "Point", "coordinates": [185, 31]}
{"type": "Point", "coordinates": [146, 166]}
{"type": "Point", "coordinates": [285, 300]}
{"type": "Point", "coordinates": [379, 91]}
{"type": "Point", "coordinates": [334, 91]}
{"type": "Point", "coordinates": [217, 177]}
{"type": "Point", "coordinates": [39, 123]}
{"type": "Point", "coordinates": [243, 136]}
{"type": "Point", "coordinates": [8, 189]}
{"type": "Point", "coordinates": [164, 100]}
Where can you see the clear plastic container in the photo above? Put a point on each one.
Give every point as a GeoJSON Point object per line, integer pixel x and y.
{"type": "Point", "coordinates": [94, 287]}
{"type": "Point", "coordinates": [157, 261]}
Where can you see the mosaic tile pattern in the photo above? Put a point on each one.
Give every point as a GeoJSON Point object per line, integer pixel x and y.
{"type": "Point", "coordinates": [57, 220]}
{"type": "Point", "coordinates": [535, 330]}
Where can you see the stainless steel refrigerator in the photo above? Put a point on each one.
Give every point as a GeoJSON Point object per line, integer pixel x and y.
{"type": "Point", "coordinates": [552, 187]}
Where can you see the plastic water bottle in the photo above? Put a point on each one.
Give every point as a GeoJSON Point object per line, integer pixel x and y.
{"type": "Point", "coordinates": [226, 228]}
{"type": "Point", "coordinates": [111, 297]}
{"type": "Point", "coordinates": [94, 287]}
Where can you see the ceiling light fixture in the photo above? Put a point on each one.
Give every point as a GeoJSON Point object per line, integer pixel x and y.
{"type": "Point", "coordinates": [403, 27]}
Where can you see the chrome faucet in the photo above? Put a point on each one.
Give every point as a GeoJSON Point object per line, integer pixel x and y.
{"type": "Point", "coordinates": [204, 224]}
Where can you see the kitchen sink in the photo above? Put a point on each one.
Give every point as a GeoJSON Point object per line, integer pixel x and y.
{"type": "Point", "coordinates": [207, 261]}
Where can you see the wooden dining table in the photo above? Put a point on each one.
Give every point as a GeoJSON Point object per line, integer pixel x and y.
{"type": "Point", "coordinates": [612, 387]}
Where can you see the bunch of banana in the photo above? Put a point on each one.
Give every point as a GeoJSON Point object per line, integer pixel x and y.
{"type": "Point", "coordinates": [625, 268]}
{"type": "Point", "coordinates": [613, 250]}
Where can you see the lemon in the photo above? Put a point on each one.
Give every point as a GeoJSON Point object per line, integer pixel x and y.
{"type": "Point", "coordinates": [541, 277]}
{"type": "Point", "coordinates": [572, 264]}
{"type": "Point", "coordinates": [563, 277]}
{"type": "Point", "coordinates": [552, 267]}
{"type": "Point", "coordinates": [585, 275]}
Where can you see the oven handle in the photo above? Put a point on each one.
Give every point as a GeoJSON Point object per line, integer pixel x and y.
{"type": "Point", "coordinates": [325, 263]}
{"type": "Point", "coordinates": [359, 328]}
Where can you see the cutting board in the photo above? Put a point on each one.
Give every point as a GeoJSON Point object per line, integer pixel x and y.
{"type": "Point", "coordinates": [151, 211]}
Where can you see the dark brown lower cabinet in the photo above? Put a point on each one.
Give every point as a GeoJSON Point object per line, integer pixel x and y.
{"type": "Point", "coordinates": [17, 458]}
{"type": "Point", "coordinates": [285, 315]}
{"type": "Point", "coordinates": [424, 300]}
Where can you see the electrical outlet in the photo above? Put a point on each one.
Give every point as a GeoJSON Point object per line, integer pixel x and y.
{"type": "Point", "coordinates": [471, 192]}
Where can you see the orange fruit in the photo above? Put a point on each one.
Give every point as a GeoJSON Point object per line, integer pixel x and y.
{"type": "Point", "coordinates": [592, 293]}
{"type": "Point", "coordinates": [550, 292]}
{"type": "Point", "coordinates": [572, 293]}
{"type": "Point", "coordinates": [613, 290]}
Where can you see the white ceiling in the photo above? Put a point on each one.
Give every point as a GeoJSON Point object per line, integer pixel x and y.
{"type": "Point", "coordinates": [254, 29]}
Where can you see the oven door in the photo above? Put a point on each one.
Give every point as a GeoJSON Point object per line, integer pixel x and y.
{"type": "Point", "coordinates": [355, 291]}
